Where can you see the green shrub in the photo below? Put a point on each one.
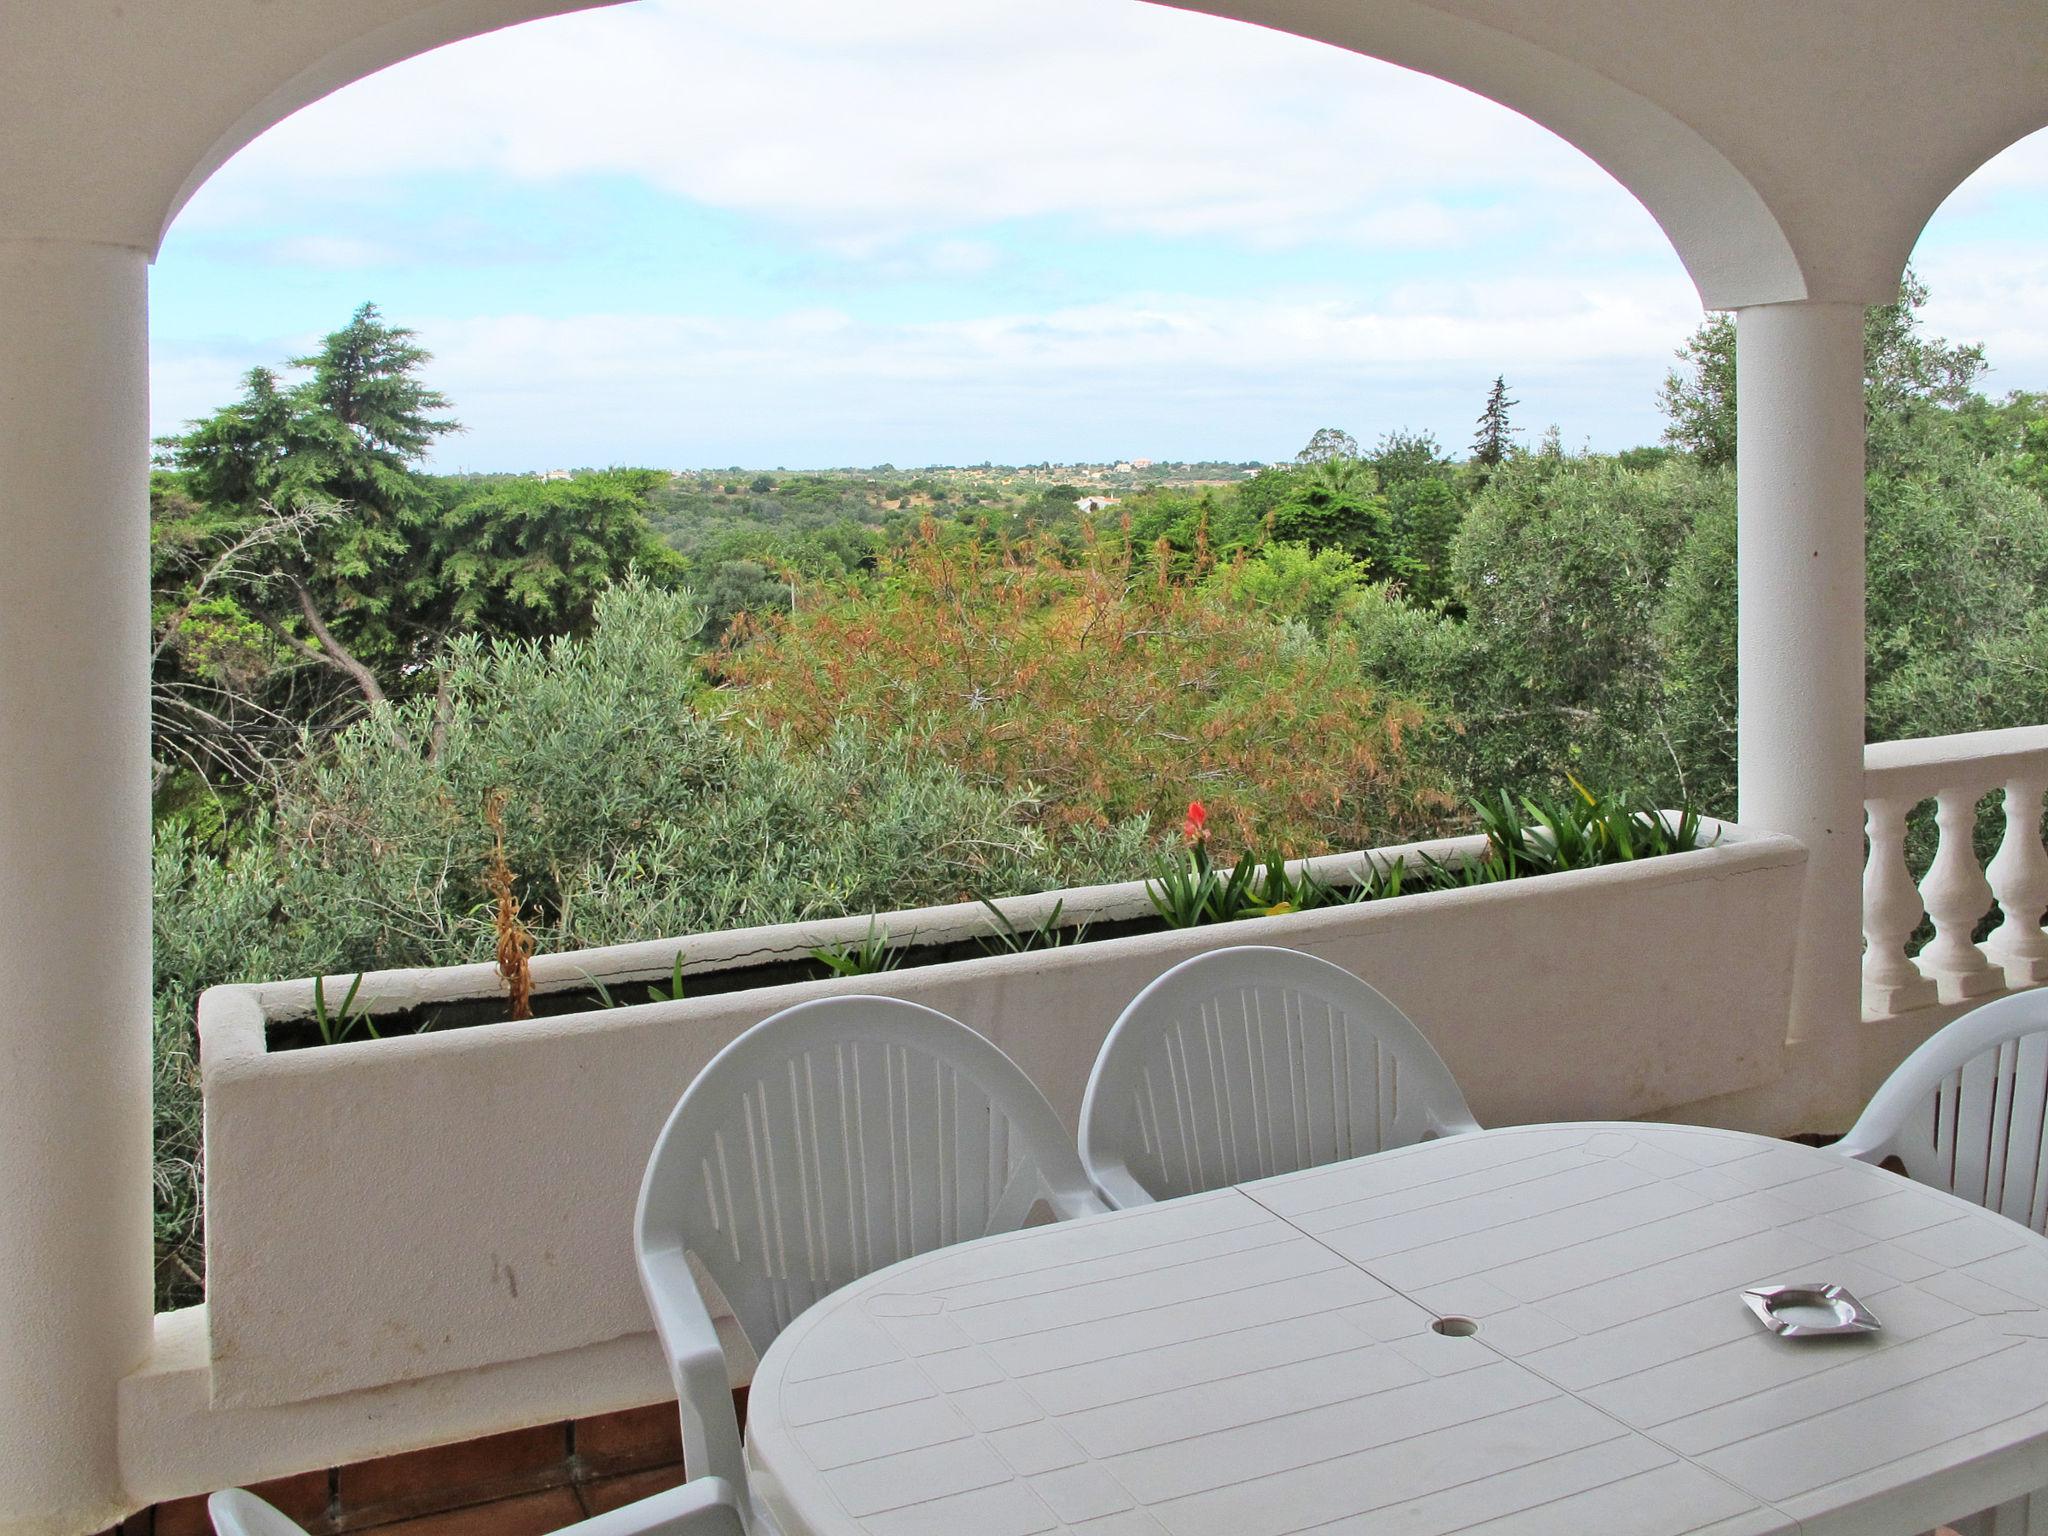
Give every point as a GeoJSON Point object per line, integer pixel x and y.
{"type": "Point", "coordinates": [630, 813]}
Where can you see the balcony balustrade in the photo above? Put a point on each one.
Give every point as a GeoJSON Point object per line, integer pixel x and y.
{"type": "Point", "coordinates": [1904, 968]}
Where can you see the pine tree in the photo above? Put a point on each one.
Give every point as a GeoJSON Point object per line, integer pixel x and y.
{"type": "Point", "coordinates": [1496, 436]}
{"type": "Point", "coordinates": [349, 437]}
{"type": "Point", "coordinates": [365, 376]}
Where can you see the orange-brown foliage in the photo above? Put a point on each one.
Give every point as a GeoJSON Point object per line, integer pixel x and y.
{"type": "Point", "coordinates": [1105, 683]}
{"type": "Point", "coordinates": [515, 942]}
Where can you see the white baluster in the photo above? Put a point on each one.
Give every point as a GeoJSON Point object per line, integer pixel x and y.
{"type": "Point", "coordinates": [1892, 984]}
{"type": "Point", "coordinates": [1957, 894]}
{"type": "Point", "coordinates": [2019, 875]}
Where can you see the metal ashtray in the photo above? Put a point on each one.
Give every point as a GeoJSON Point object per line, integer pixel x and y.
{"type": "Point", "coordinates": [1809, 1311]}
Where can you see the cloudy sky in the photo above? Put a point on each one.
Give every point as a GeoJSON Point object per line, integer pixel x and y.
{"type": "Point", "coordinates": [803, 233]}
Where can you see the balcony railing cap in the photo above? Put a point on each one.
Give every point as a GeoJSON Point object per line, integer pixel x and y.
{"type": "Point", "coordinates": [1974, 759]}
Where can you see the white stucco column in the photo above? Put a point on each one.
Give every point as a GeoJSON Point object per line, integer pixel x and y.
{"type": "Point", "coordinates": [1799, 574]}
{"type": "Point", "coordinates": [75, 1313]}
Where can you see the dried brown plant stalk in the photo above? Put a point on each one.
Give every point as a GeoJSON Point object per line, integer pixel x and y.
{"type": "Point", "coordinates": [515, 944]}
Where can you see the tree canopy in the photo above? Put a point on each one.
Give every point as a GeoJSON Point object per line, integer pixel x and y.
{"type": "Point", "coordinates": [1907, 375]}
{"type": "Point", "coordinates": [299, 516]}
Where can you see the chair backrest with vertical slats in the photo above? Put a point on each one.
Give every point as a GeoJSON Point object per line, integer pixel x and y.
{"type": "Point", "coordinates": [1968, 1111]}
{"type": "Point", "coordinates": [1252, 1061]}
{"type": "Point", "coordinates": [840, 1136]}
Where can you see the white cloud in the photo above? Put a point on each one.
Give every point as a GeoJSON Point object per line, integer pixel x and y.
{"type": "Point", "coordinates": [1149, 375]}
{"type": "Point", "coordinates": [1984, 257]}
{"type": "Point", "coordinates": [897, 119]}
{"type": "Point", "coordinates": [898, 137]}
{"type": "Point", "coordinates": [1998, 294]}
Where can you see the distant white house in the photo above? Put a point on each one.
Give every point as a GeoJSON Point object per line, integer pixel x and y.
{"type": "Point", "coordinates": [1096, 503]}
{"type": "Point", "coordinates": [547, 476]}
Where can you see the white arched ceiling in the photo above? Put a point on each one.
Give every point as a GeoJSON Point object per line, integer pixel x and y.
{"type": "Point", "coordinates": [114, 112]}
{"type": "Point", "coordinates": [1790, 151]}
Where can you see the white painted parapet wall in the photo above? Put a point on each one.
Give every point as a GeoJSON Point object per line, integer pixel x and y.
{"type": "Point", "coordinates": [427, 1237]}
{"type": "Point", "coordinates": [1955, 891]}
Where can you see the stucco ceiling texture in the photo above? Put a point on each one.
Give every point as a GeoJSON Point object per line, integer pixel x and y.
{"type": "Point", "coordinates": [1791, 149]}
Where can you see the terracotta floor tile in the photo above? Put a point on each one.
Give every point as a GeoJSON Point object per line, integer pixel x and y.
{"type": "Point", "coordinates": [304, 1497]}
{"type": "Point", "coordinates": [182, 1517]}
{"type": "Point", "coordinates": [628, 1441]}
{"type": "Point", "coordinates": [533, 1514]}
{"type": "Point", "coordinates": [604, 1494]}
{"type": "Point", "coordinates": [447, 1477]}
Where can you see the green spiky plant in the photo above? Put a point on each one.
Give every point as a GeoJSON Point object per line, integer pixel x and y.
{"type": "Point", "coordinates": [1190, 891]}
{"type": "Point", "coordinates": [870, 957]}
{"type": "Point", "coordinates": [1380, 880]}
{"type": "Point", "coordinates": [1275, 890]}
{"type": "Point", "coordinates": [604, 993]}
{"type": "Point", "coordinates": [1532, 835]}
{"type": "Point", "coordinates": [1525, 835]}
{"type": "Point", "coordinates": [673, 992]}
{"type": "Point", "coordinates": [336, 1025]}
{"type": "Point", "coordinates": [1008, 939]}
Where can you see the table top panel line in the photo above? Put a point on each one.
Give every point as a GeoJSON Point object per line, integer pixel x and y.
{"type": "Point", "coordinates": [1764, 1192]}
{"type": "Point", "coordinates": [1329, 1399]}
{"type": "Point", "coordinates": [1621, 1425]}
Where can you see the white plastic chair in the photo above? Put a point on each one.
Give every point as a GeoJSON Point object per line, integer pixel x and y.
{"type": "Point", "coordinates": [1252, 1061]}
{"type": "Point", "coordinates": [1968, 1113]}
{"type": "Point", "coordinates": [705, 1506]}
{"type": "Point", "coordinates": [829, 1140]}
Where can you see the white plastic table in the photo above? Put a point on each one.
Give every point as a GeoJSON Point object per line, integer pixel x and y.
{"type": "Point", "coordinates": [1262, 1360]}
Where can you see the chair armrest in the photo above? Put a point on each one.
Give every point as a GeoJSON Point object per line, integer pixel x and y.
{"type": "Point", "coordinates": [696, 1364]}
{"type": "Point", "coordinates": [1119, 1190]}
{"type": "Point", "coordinates": [1067, 1204]}
{"type": "Point", "coordinates": [705, 1506]}
{"type": "Point", "coordinates": [1863, 1143]}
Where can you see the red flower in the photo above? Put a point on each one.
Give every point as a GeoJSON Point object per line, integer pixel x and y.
{"type": "Point", "coordinates": [1196, 828]}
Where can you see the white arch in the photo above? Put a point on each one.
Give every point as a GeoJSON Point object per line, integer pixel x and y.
{"type": "Point", "coordinates": [1789, 152]}
{"type": "Point", "coordinates": [109, 127]}
{"type": "Point", "coordinates": [1721, 228]}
